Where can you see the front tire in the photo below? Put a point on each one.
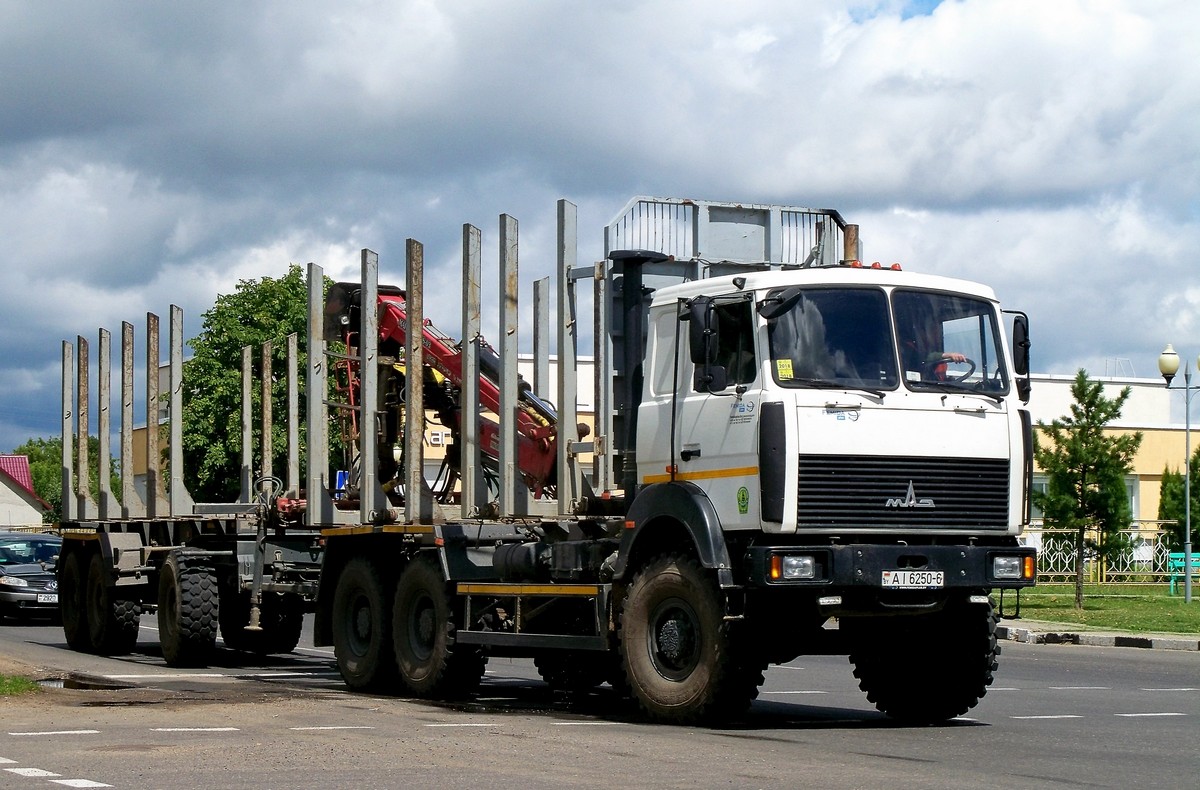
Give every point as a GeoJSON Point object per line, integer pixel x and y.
{"type": "Point", "coordinates": [680, 657]}
{"type": "Point", "coordinates": [423, 629]}
{"type": "Point", "coordinates": [362, 639]}
{"type": "Point", "coordinates": [926, 669]}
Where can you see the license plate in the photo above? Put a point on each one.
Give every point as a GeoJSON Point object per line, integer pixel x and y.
{"type": "Point", "coordinates": [913, 580]}
{"type": "Point", "coordinates": [47, 597]}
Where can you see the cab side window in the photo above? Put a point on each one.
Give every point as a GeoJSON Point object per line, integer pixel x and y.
{"type": "Point", "coordinates": [735, 348]}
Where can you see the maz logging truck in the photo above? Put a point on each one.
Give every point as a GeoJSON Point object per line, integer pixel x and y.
{"type": "Point", "coordinates": [793, 453]}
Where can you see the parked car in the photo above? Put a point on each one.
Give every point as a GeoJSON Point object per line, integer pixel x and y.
{"type": "Point", "coordinates": [28, 584]}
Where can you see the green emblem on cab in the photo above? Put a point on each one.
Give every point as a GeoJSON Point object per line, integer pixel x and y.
{"type": "Point", "coordinates": [743, 500]}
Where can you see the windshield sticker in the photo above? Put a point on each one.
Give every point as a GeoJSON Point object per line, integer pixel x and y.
{"type": "Point", "coordinates": [783, 368]}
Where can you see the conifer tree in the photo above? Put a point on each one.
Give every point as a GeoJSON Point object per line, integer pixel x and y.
{"type": "Point", "coordinates": [1085, 470]}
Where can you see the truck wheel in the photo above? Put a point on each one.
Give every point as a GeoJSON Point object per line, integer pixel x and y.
{"type": "Point", "coordinates": [362, 639]}
{"type": "Point", "coordinates": [423, 628]}
{"type": "Point", "coordinates": [574, 672]}
{"type": "Point", "coordinates": [929, 668]}
{"type": "Point", "coordinates": [72, 602]}
{"type": "Point", "coordinates": [233, 614]}
{"type": "Point", "coordinates": [112, 623]}
{"type": "Point", "coordinates": [281, 616]}
{"type": "Point", "coordinates": [187, 612]}
{"type": "Point", "coordinates": [681, 659]}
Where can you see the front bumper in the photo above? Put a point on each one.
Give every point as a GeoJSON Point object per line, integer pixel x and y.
{"type": "Point", "coordinates": [860, 568]}
{"type": "Point", "coordinates": [43, 603]}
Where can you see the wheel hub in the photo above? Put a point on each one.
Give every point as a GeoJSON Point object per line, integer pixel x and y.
{"type": "Point", "coordinates": [674, 643]}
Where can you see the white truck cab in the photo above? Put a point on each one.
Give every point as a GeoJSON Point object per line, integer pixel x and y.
{"type": "Point", "coordinates": [836, 400]}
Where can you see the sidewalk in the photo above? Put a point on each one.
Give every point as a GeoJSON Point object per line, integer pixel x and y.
{"type": "Point", "coordinates": [1038, 632]}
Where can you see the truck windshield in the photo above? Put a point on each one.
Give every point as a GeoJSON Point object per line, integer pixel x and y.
{"type": "Point", "coordinates": [949, 340]}
{"type": "Point", "coordinates": [838, 337]}
{"type": "Point", "coordinates": [848, 337]}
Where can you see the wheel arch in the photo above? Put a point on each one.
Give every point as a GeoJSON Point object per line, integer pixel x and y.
{"type": "Point", "coordinates": [676, 516]}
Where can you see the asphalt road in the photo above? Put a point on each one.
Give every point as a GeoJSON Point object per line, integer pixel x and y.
{"type": "Point", "coordinates": [1058, 715]}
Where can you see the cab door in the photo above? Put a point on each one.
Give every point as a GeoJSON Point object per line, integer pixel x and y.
{"type": "Point", "coordinates": [716, 445]}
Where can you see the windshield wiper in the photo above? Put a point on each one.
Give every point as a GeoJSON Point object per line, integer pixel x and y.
{"type": "Point", "coordinates": [941, 386]}
{"type": "Point", "coordinates": [823, 384]}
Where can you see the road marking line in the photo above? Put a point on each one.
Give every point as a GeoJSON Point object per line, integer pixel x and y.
{"type": "Point", "coordinates": [32, 772]}
{"type": "Point", "coordinates": [1081, 688]}
{"type": "Point", "coordinates": [167, 676]}
{"type": "Point", "coordinates": [1063, 716]}
{"type": "Point", "coordinates": [584, 723]}
{"type": "Point", "coordinates": [59, 732]}
{"type": "Point", "coordinates": [792, 692]}
{"type": "Point", "coordinates": [1003, 688]}
{"type": "Point", "coordinates": [462, 725]}
{"type": "Point", "coordinates": [345, 727]}
{"type": "Point", "coordinates": [1143, 715]}
{"type": "Point", "coordinates": [6, 761]}
{"type": "Point", "coordinates": [79, 783]}
{"type": "Point", "coordinates": [194, 729]}
{"type": "Point", "coordinates": [1181, 689]}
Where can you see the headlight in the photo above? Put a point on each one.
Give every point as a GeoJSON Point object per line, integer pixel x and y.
{"type": "Point", "coordinates": [13, 581]}
{"type": "Point", "coordinates": [1006, 567]}
{"type": "Point", "coordinates": [793, 567]}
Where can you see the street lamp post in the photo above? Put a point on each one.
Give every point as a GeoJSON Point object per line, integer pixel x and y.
{"type": "Point", "coordinates": [1168, 365]}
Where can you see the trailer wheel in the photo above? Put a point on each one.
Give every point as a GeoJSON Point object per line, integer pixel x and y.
{"type": "Point", "coordinates": [936, 666]}
{"type": "Point", "coordinates": [72, 602]}
{"type": "Point", "coordinates": [682, 661]}
{"type": "Point", "coordinates": [233, 614]}
{"type": "Point", "coordinates": [112, 623]}
{"type": "Point", "coordinates": [362, 639]}
{"type": "Point", "coordinates": [281, 616]}
{"type": "Point", "coordinates": [285, 613]}
{"type": "Point", "coordinates": [187, 612]}
{"type": "Point", "coordinates": [423, 628]}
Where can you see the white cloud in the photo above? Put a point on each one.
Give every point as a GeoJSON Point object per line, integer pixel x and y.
{"type": "Point", "coordinates": [157, 154]}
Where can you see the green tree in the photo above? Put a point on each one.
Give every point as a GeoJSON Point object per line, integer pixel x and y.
{"type": "Point", "coordinates": [257, 311]}
{"type": "Point", "coordinates": [1085, 470]}
{"type": "Point", "coordinates": [45, 467]}
{"type": "Point", "coordinates": [1170, 502]}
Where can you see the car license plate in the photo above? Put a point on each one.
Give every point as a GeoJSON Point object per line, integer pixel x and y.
{"type": "Point", "coordinates": [47, 598]}
{"type": "Point", "coordinates": [913, 580]}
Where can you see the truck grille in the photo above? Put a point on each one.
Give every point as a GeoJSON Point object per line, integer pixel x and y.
{"type": "Point", "coordinates": [874, 492]}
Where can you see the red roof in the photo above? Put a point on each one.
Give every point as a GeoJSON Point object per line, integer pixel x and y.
{"type": "Point", "coordinates": [17, 467]}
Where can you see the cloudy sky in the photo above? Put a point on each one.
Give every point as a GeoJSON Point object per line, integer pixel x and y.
{"type": "Point", "coordinates": [156, 153]}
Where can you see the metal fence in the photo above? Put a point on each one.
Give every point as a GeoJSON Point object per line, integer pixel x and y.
{"type": "Point", "coordinates": [1145, 562]}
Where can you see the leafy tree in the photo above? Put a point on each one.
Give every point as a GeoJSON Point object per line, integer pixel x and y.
{"type": "Point", "coordinates": [1170, 502]}
{"type": "Point", "coordinates": [257, 311]}
{"type": "Point", "coordinates": [1086, 471]}
{"type": "Point", "coordinates": [45, 467]}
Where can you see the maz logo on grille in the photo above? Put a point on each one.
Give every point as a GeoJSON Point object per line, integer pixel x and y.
{"type": "Point", "coordinates": [909, 500]}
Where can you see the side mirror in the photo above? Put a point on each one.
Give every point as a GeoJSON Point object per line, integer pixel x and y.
{"type": "Point", "coordinates": [703, 338]}
{"type": "Point", "coordinates": [703, 332]}
{"type": "Point", "coordinates": [1021, 344]}
{"type": "Point", "coordinates": [779, 302]}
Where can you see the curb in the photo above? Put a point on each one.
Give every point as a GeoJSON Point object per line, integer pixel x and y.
{"type": "Point", "coordinates": [1042, 635]}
